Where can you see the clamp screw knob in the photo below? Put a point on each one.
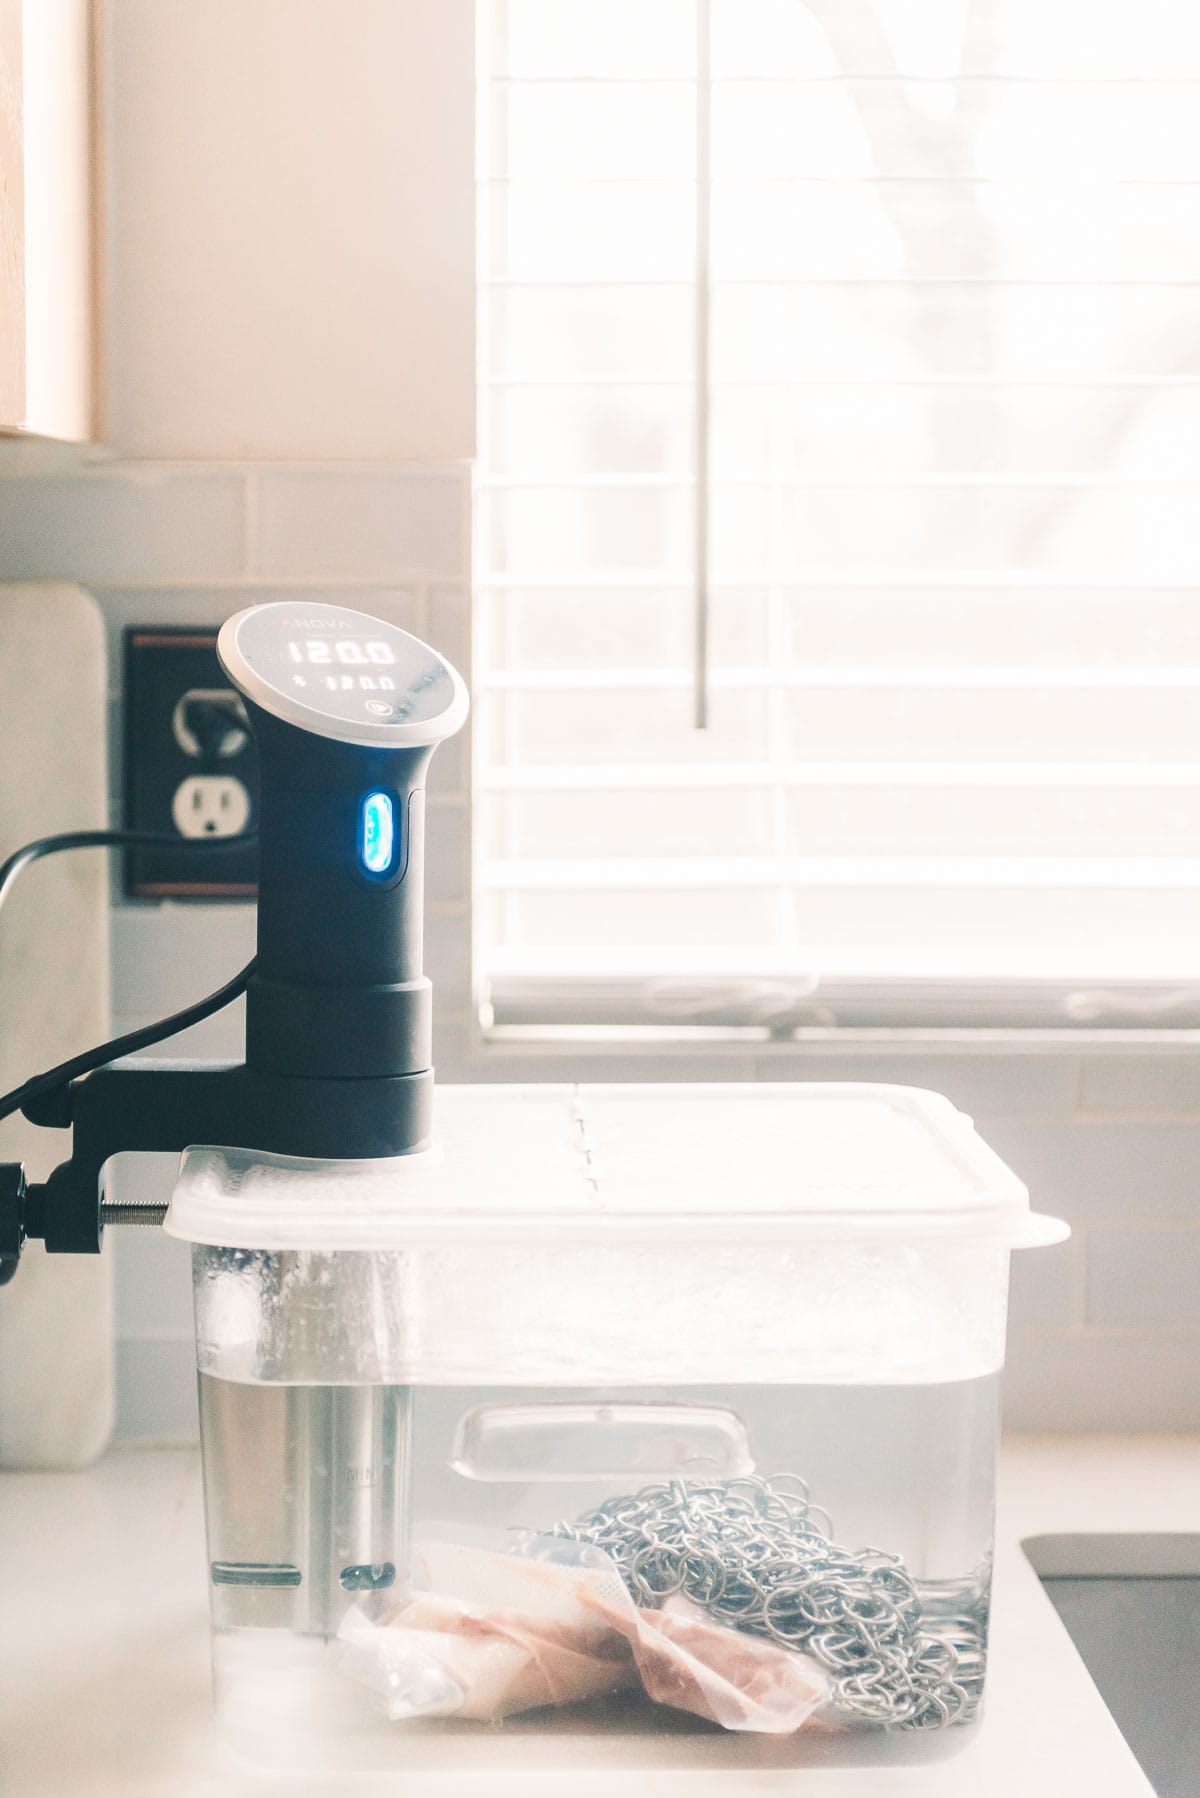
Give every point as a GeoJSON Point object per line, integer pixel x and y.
{"type": "Point", "coordinates": [12, 1218]}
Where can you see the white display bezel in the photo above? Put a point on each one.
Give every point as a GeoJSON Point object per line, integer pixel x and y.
{"type": "Point", "coordinates": [404, 734]}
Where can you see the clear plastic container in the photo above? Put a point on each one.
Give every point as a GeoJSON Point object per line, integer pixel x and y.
{"type": "Point", "coordinates": [628, 1426]}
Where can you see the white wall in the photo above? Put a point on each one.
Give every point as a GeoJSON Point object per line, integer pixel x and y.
{"type": "Point", "coordinates": [253, 461]}
{"type": "Point", "coordinates": [290, 228]}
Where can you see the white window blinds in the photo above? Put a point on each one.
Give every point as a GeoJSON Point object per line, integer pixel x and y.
{"type": "Point", "coordinates": [840, 372]}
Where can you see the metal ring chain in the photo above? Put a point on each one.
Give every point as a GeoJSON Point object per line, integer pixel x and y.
{"type": "Point", "coordinates": [758, 1555]}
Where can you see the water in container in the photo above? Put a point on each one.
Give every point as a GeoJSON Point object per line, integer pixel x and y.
{"type": "Point", "coordinates": [629, 1427]}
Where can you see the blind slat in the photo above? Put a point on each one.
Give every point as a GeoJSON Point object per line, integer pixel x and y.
{"type": "Point", "coordinates": [901, 678]}
{"type": "Point", "coordinates": [953, 760]}
{"type": "Point", "coordinates": [667, 777]}
{"type": "Point", "coordinates": [1000, 873]}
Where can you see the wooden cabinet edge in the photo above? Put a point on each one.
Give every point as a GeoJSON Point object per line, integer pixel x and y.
{"type": "Point", "coordinates": [57, 294]}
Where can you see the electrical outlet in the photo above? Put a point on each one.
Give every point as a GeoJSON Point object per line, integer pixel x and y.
{"type": "Point", "coordinates": [210, 805]}
{"type": "Point", "coordinates": [191, 769]}
{"type": "Point", "coordinates": [210, 721]}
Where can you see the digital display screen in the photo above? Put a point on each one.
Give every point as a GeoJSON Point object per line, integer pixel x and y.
{"type": "Point", "coordinates": [350, 652]}
{"type": "Point", "coordinates": [350, 667]}
{"type": "Point", "coordinates": [343, 653]}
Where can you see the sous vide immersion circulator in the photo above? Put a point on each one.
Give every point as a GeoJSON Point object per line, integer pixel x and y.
{"type": "Point", "coordinates": [346, 712]}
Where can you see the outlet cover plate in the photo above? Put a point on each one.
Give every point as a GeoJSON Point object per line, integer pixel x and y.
{"type": "Point", "coordinates": [162, 666]}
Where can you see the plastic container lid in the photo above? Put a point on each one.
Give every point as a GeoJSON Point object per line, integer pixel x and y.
{"type": "Point", "coordinates": [624, 1164]}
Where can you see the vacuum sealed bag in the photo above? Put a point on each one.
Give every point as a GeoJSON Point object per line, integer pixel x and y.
{"type": "Point", "coordinates": [488, 1631]}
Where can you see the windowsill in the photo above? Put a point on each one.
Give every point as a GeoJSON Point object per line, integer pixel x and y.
{"type": "Point", "coordinates": [1056, 1078]}
{"type": "Point", "coordinates": [505, 1041]}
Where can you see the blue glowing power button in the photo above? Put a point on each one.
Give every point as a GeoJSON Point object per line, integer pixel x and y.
{"type": "Point", "coordinates": [377, 835]}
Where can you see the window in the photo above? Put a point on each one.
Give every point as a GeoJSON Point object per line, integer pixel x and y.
{"type": "Point", "coordinates": [840, 382]}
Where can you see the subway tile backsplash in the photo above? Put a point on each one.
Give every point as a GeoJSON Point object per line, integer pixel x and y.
{"type": "Point", "coordinates": [1105, 1172]}
{"type": "Point", "coordinates": [1045, 1287]}
{"type": "Point", "coordinates": [1093, 1380]}
{"type": "Point", "coordinates": [342, 522]}
{"type": "Point", "coordinates": [1149, 1085]}
{"type": "Point", "coordinates": [1105, 1330]}
{"type": "Point", "coordinates": [1144, 1279]}
{"type": "Point", "coordinates": [124, 522]}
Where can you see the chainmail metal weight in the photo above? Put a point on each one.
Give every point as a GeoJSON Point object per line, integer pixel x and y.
{"type": "Point", "coordinates": [757, 1555]}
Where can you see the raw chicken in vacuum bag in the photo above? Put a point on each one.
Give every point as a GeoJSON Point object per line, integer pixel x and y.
{"type": "Point", "coordinates": [487, 1635]}
{"type": "Point", "coordinates": [518, 1625]}
{"type": "Point", "coordinates": [741, 1682]}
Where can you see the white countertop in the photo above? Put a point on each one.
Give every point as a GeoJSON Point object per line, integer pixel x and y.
{"type": "Point", "coordinates": [104, 1680]}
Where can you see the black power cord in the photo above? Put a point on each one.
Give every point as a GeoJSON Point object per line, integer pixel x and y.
{"type": "Point", "coordinates": [109, 839]}
{"type": "Point", "coordinates": [98, 1057]}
